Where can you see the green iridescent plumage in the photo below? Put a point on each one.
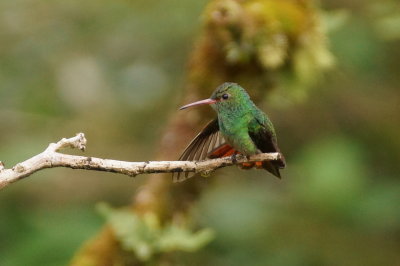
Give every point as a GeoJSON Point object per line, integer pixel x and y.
{"type": "Point", "coordinates": [241, 127]}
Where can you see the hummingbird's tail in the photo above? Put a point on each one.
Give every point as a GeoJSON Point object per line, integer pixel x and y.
{"type": "Point", "coordinates": [269, 166]}
{"type": "Point", "coordinates": [272, 167]}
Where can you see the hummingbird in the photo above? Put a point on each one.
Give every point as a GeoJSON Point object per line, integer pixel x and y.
{"type": "Point", "coordinates": [239, 128]}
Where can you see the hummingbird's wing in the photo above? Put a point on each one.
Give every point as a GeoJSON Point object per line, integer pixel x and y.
{"type": "Point", "coordinates": [266, 141]}
{"type": "Point", "coordinates": [199, 148]}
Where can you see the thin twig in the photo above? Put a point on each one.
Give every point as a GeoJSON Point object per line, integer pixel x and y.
{"type": "Point", "coordinates": [51, 158]}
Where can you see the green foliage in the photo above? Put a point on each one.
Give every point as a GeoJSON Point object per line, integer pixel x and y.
{"type": "Point", "coordinates": [332, 173]}
{"type": "Point", "coordinates": [387, 19]}
{"type": "Point", "coordinates": [28, 234]}
{"type": "Point", "coordinates": [146, 237]}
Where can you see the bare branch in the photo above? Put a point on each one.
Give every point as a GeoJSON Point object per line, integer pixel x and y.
{"type": "Point", "coordinates": [51, 158]}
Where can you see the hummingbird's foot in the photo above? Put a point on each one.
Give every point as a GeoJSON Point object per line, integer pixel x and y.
{"type": "Point", "coordinates": [234, 159]}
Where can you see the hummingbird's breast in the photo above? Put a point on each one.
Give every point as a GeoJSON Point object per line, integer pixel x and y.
{"type": "Point", "coordinates": [235, 130]}
{"type": "Point", "coordinates": [231, 124]}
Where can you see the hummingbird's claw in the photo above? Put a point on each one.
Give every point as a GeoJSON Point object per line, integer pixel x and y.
{"type": "Point", "coordinates": [234, 159]}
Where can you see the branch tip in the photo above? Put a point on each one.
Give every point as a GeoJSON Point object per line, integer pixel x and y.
{"type": "Point", "coordinates": [81, 143]}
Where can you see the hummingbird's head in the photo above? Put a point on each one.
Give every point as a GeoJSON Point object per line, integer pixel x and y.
{"type": "Point", "coordinates": [227, 96]}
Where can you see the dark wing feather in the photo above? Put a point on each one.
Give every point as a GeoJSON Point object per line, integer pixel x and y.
{"type": "Point", "coordinates": [266, 141]}
{"type": "Point", "coordinates": [199, 148]}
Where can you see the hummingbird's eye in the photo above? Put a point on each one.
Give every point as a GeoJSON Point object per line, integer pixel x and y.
{"type": "Point", "coordinates": [225, 96]}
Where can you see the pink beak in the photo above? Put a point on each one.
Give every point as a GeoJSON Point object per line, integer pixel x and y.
{"type": "Point", "coordinates": [206, 101]}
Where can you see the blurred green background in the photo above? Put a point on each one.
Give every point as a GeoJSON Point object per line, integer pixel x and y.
{"type": "Point", "coordinates": [114, 70]}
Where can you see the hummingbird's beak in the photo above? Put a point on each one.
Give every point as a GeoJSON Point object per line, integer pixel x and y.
{"type": "Point", "coordinates": [206, 101]}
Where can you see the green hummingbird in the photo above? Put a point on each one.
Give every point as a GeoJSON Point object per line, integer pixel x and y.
{"type": "Point", "coordinates": [240, 128]}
